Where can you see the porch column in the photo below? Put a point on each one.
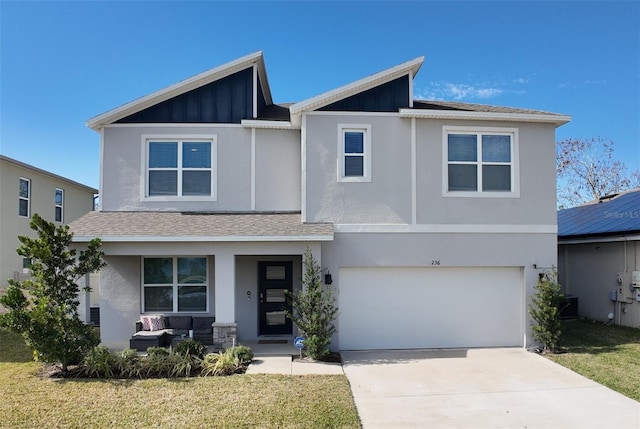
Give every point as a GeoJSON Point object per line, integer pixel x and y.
{"type": "Point", "coordinates": [225, 327]}
{"type": "Point", "coordinates": [225, 299]}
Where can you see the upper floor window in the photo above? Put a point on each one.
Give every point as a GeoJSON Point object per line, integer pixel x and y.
{"type": "Point", "coordinates": [480, 162]}
{"type": "Point", "coordinates": [184, 168]}
{"type": "Point", "coordinates": [175, 284]}
{"type": "Point", "coordinates": [24, 198]}
{"type": "Point", "coordinates": [59, 205]}
{"type": "Point", "coordinates": [354, 153]}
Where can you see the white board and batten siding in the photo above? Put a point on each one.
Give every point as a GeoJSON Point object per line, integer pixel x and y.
{"type": "Point", "coordinates": [410, 308]}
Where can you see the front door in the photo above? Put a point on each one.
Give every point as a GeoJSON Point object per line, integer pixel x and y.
{"type": "Point", "coordinates": [274, 279]}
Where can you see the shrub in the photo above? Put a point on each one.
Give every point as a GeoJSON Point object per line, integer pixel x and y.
{"type": "Point", "coordinates": [185, 365]}
{"type": "Point", "coordinates": [223, 363]}
{"type": "Point", "coordinates": [190, 348]}
{"type": "Point", "coordinates": [243, 353]}
{"type": "Point", "coordinates": [314, 310]}
{"type": "Point", "coordinates": [157, 351]}
{"type": "Point", "coordinates": [128, 363]}
{"type": "Point", "coordinates": [159, 362]}
{"type": "Point", "coordinates": [99, 363]}
{"type": "Point", "coordinates": [545, 311]}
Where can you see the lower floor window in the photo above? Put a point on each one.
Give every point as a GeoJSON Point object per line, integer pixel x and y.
{"type": "Point", "coordinates": [175, 284]}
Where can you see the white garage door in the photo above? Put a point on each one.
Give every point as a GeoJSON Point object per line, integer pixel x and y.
{"type": "Point", "coordinates": [399, 308]}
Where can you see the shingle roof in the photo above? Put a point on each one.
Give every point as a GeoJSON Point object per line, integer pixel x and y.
{"type": "Point", "coordinates": [472, 107]}
{"type": "Point", "coordinates": [196, 226]}
{"type": "Point", "coordinates": [620, 214]}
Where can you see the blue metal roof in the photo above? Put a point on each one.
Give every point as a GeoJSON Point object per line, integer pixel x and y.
{"type": "Point", "coordinates": [620, 214]}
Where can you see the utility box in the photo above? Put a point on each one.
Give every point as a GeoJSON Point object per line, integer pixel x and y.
{"type": "Point", "coordinates": [620, 295]}
{"type": "Point", "coordinates": [635, 279]}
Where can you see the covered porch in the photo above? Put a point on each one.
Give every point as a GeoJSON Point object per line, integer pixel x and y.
{"type": "Point", "coordinates": [234, 267]}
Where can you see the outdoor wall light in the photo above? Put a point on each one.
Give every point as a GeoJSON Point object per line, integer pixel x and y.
{"type": "Point", "coordinates": [327, 278]}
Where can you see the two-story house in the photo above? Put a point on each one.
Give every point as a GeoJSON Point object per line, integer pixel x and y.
{"type": "Point", "coordinates": [25, 190]}
{"type": "Point", "coordinates": [432, 218]}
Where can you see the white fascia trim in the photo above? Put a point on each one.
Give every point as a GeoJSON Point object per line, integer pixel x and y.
{"type": "Point", "coordinates": [181, 87]}
{"type": "Point", "coordinates": [557, 120]}
{"type": "Point", "coordinates": [445, 229]}
{"type": "Point", "coordinates": [199, 239]}
{"type": "Point", "coordinates": [409, 68]}
{"type": "Point", "coordinates": [612, 239]}
{"type": "Point", "coordinates": [273, 125]}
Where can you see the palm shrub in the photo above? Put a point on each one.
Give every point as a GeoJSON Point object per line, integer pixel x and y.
{"type": "Point", "coordinates": [545, 311]}
{"type": "Point", "coordinates": [314, 309]}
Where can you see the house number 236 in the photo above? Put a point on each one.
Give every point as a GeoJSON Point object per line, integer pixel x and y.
{"type": "Point", "coordinates": [435, 262]}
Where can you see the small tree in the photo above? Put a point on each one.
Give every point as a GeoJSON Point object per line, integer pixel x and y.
{"type": "Point", "coordinates": [44, 309]}
{"type": "Point", "coordinates": [545, 311]}
{"type": "Point", "coordinates": [314, 309]}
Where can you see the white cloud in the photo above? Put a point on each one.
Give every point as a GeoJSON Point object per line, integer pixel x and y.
{"type": "Point", "coordinates": [459, 91]}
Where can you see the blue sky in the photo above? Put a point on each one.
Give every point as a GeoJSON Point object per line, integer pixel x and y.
{"type": "Point", "coordinates": [62, 63]}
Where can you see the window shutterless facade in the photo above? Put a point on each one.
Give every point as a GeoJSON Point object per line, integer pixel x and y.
{"type": "Point", "coordinates": [175, 284]}
{"type": "Point", "coordinates": [480, 162]}
{"type": "Point", "coordinates": [24, 197]}
{"type": "Point", "coordinates": [59, 205]}
{"type": "Point", "coordinates": [354, 153]}
{"type": "Point", "coordinates": [180, 168]}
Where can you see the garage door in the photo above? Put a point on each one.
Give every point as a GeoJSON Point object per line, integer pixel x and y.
{"type": "Point", "coordinates": [399, 308]}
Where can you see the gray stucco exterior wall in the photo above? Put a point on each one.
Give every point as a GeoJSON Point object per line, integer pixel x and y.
{"type": "Point", "coordinates": [387, 199]}
{"type": "Point", "coordinates": [589, 271]}
{"type": "Point", "coordinates": [123, 169]}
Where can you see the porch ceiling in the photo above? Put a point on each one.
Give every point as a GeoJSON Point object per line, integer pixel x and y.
{"type": "Point", "coordinates": [196, 226]}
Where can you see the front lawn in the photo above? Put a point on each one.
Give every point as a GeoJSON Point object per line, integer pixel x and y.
{"type": "Point", "coordinates": [240, 401]}
{"type": "Point", "coordinates": [607, 354]}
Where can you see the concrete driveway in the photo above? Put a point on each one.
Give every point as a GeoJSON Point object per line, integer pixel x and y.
{"type": "Point", "coordinates": [479, 388]}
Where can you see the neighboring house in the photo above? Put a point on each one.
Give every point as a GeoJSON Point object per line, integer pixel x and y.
{"type": "Point", "coordinates": [25, 190]}
{"type": "Point", "coordinates": [433, 218]}
{"type": "Point", "coordinates": [599, 257]}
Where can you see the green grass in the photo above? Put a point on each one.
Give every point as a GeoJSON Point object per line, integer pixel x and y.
{"type": "Point", "coordinates": [607, 354]}
{"type": "Point", "coordinates": [240, 401]}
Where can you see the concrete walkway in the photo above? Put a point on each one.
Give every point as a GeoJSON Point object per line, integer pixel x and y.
{"type": "Point", "coordinates": [276, 358]}
{"type": "Point", "coordinates": [287, 365]}
{"type": "Point", "coordinates": [479, 388]}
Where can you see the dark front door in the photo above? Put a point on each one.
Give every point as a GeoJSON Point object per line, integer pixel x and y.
{"type": "Point", "coordinates": [274, 279]}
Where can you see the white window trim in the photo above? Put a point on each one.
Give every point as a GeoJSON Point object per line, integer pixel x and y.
{"type": "Point", "coordinates": [366, 129]}
{"type": "Point", "coordinates": [144, 179]}
{"type": "Point", "coordinates": [515, 162]}
{"type": "Point", "coordinates": [28, 198]}
{"type": "Point", "coordinates": [174, 284]}
{"type": "Point", "coordinates": [56, 205]}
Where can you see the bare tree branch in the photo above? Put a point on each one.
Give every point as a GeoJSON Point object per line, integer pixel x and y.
{"type": "Point", "coordinates": [587, 171]}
